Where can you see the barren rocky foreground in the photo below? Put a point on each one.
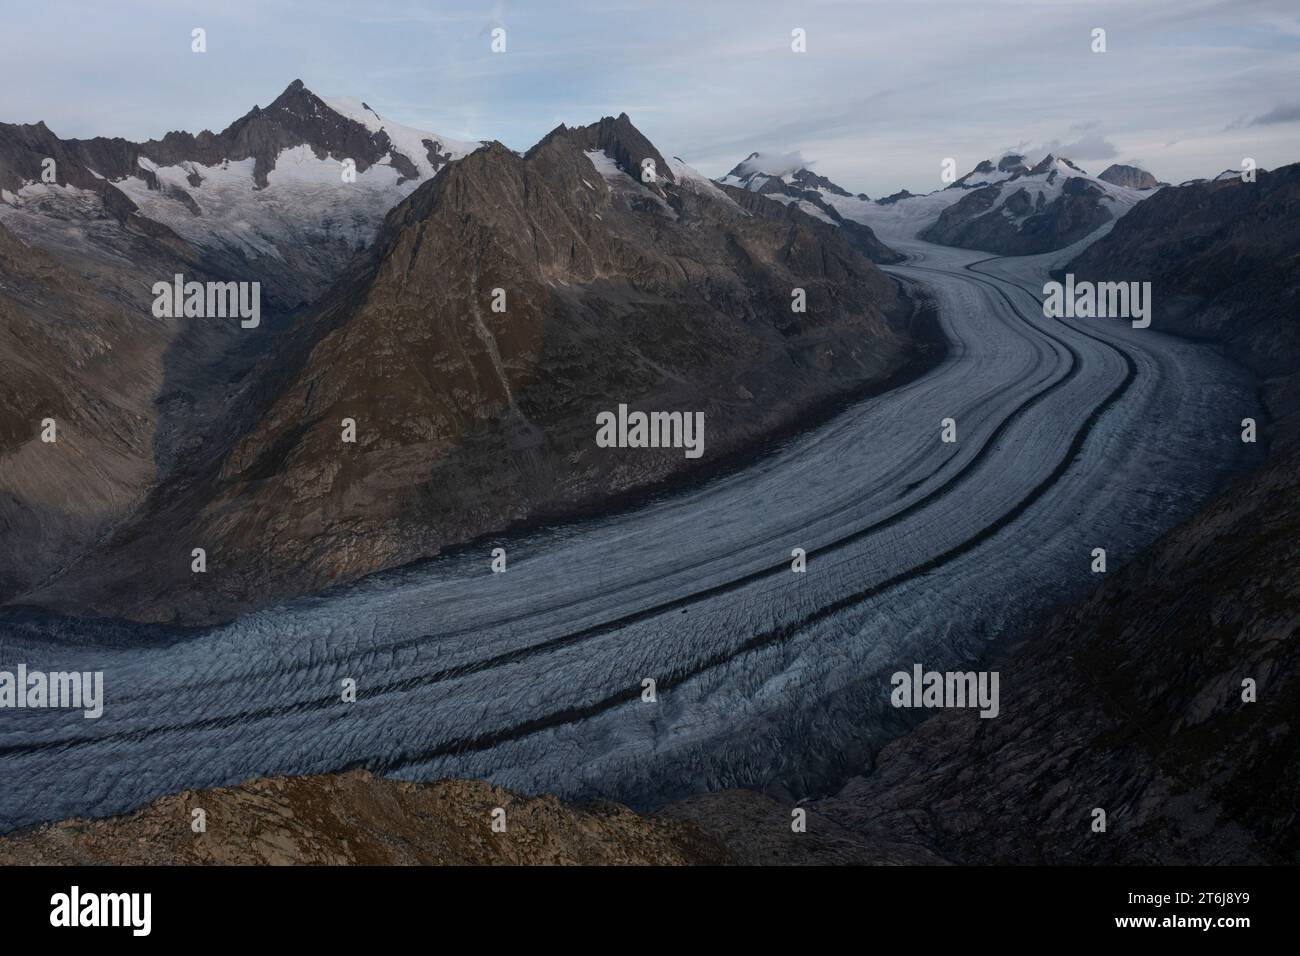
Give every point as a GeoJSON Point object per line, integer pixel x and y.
{"type": "Point", "coordinates": [355, 818]}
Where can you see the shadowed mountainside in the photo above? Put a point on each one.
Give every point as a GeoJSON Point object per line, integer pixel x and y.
{"type": "Point", "coordinates": [1223, 260]}
{"type": "Point", "coordinates": [670, 295]}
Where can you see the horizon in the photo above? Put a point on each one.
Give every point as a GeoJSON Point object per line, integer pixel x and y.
{"type": "Point", "coordinates": [1188, 87]}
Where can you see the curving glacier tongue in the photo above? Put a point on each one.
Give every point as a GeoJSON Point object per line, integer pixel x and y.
{"type": "Point", "coordinates": [1072, 435]}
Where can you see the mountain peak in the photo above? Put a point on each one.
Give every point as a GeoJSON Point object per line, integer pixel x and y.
{"type": "Point", "coordinates": [620, 140]}
{"type": "Point", "coordinates": [1134, 177]}
{"type": "Point", "coordinates": [784, 173]}
{"type": "Point", "coordinates": [296, 98]}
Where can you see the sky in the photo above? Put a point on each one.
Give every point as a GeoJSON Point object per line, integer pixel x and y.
{"type": "Point", "coordinates": [884, 92]}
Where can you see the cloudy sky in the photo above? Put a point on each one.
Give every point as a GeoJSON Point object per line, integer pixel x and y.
{"type": "Point", "coordinates": [885, 91]}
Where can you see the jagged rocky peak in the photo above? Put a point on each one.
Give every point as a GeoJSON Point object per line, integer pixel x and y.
{"type": "Point", "coordinates": [809, 180]}
{"type": "Point", "coordinates": [1133, 177]}
{"type": "Point", "coordinates": [335, 166]}
{"type": "Point", "coordinates": [744, 166]}
{"type": "Point", "coordinates": [297, 117]}
{"type": "Point", "coordinates": [339, 127]}
{"type": "Point", "coordinates": [1043, 165]}
{"type": "Point", "coordinates": [894, 197]}
{"type": "Point", "coordinates": [620, 140]}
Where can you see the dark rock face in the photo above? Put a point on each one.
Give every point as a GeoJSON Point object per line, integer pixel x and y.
{"type": "Point", "coordinates": [135, 399]}
{"type": "Point", "coordinates": [1222, 259]}
{"type": "Point", "coordinates": [675, 296]}
{"type": "Point", "coordinates": [618, 139]}
{"type": "Point", "coordinates": [1130, 176]}
{"type": "Point", "coordinates": [807, 179]}
{"type": "Point", "coordinates": [894, 197]}
{"type": "Point", "coordinates": [70, 351]}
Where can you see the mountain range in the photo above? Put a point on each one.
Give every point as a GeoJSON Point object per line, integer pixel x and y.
{"type": "Point", "coordinates": [471, 309]}
{"type": "Point", "coordinates": [473, 409]}
{"type": "Point", "coordinates": [1008, 207]}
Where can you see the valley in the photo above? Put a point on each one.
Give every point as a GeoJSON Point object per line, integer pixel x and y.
{"type": "Point", "coordinates": [431, 549]}
{"type": "Point", "coordinates": [766, 679]}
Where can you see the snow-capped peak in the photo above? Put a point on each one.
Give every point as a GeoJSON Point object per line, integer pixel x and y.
{"type": "Point", "coordinates": [415, 144]}
{"type": "Point", "coordinates": [779, 172]}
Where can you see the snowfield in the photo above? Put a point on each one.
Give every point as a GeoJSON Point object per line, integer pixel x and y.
{"type": "Point", "coordinates": [1072, 435]}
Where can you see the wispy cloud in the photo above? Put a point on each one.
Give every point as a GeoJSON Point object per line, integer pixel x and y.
{"type": "Point", "coordinates": [885, 91]}
{"type": "Point", "coordinates": [1284, 113]}
{"type": "Point", "coordinates": [1088, 143]}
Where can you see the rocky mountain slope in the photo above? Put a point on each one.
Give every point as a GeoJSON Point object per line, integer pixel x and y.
{"type": "Point", "coordinates": [814, 194]}
{"type": "Point", "coordinates": [1223, 257]}
{"type": "Point", "coordinates": [79, 368]}
{"type": "Point", "coordinates": [671, 295]}
{"type": "Point", "coordinates": [1130, 702]}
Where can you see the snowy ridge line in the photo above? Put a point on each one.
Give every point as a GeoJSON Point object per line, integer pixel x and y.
{"type": "Point", "coordinates": [777, 635]}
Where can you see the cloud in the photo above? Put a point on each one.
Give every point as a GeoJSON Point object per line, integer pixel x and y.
{"type": "Point", "coordinates": [774, 164]}
{"type": "Point", "coordinates": [1282, 113]}
{"type": "Point", "coordinates": [880, 99]}
{"type": "Point", "coordinates": [1088, 143]}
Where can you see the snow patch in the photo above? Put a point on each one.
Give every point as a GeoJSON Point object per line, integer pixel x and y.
{"type": "Point", "coordinates": [305, 201]}
{"type": "Point", "coordinates": [406, 140]}
{"type": "Point", "coordinates": [694, 180]}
